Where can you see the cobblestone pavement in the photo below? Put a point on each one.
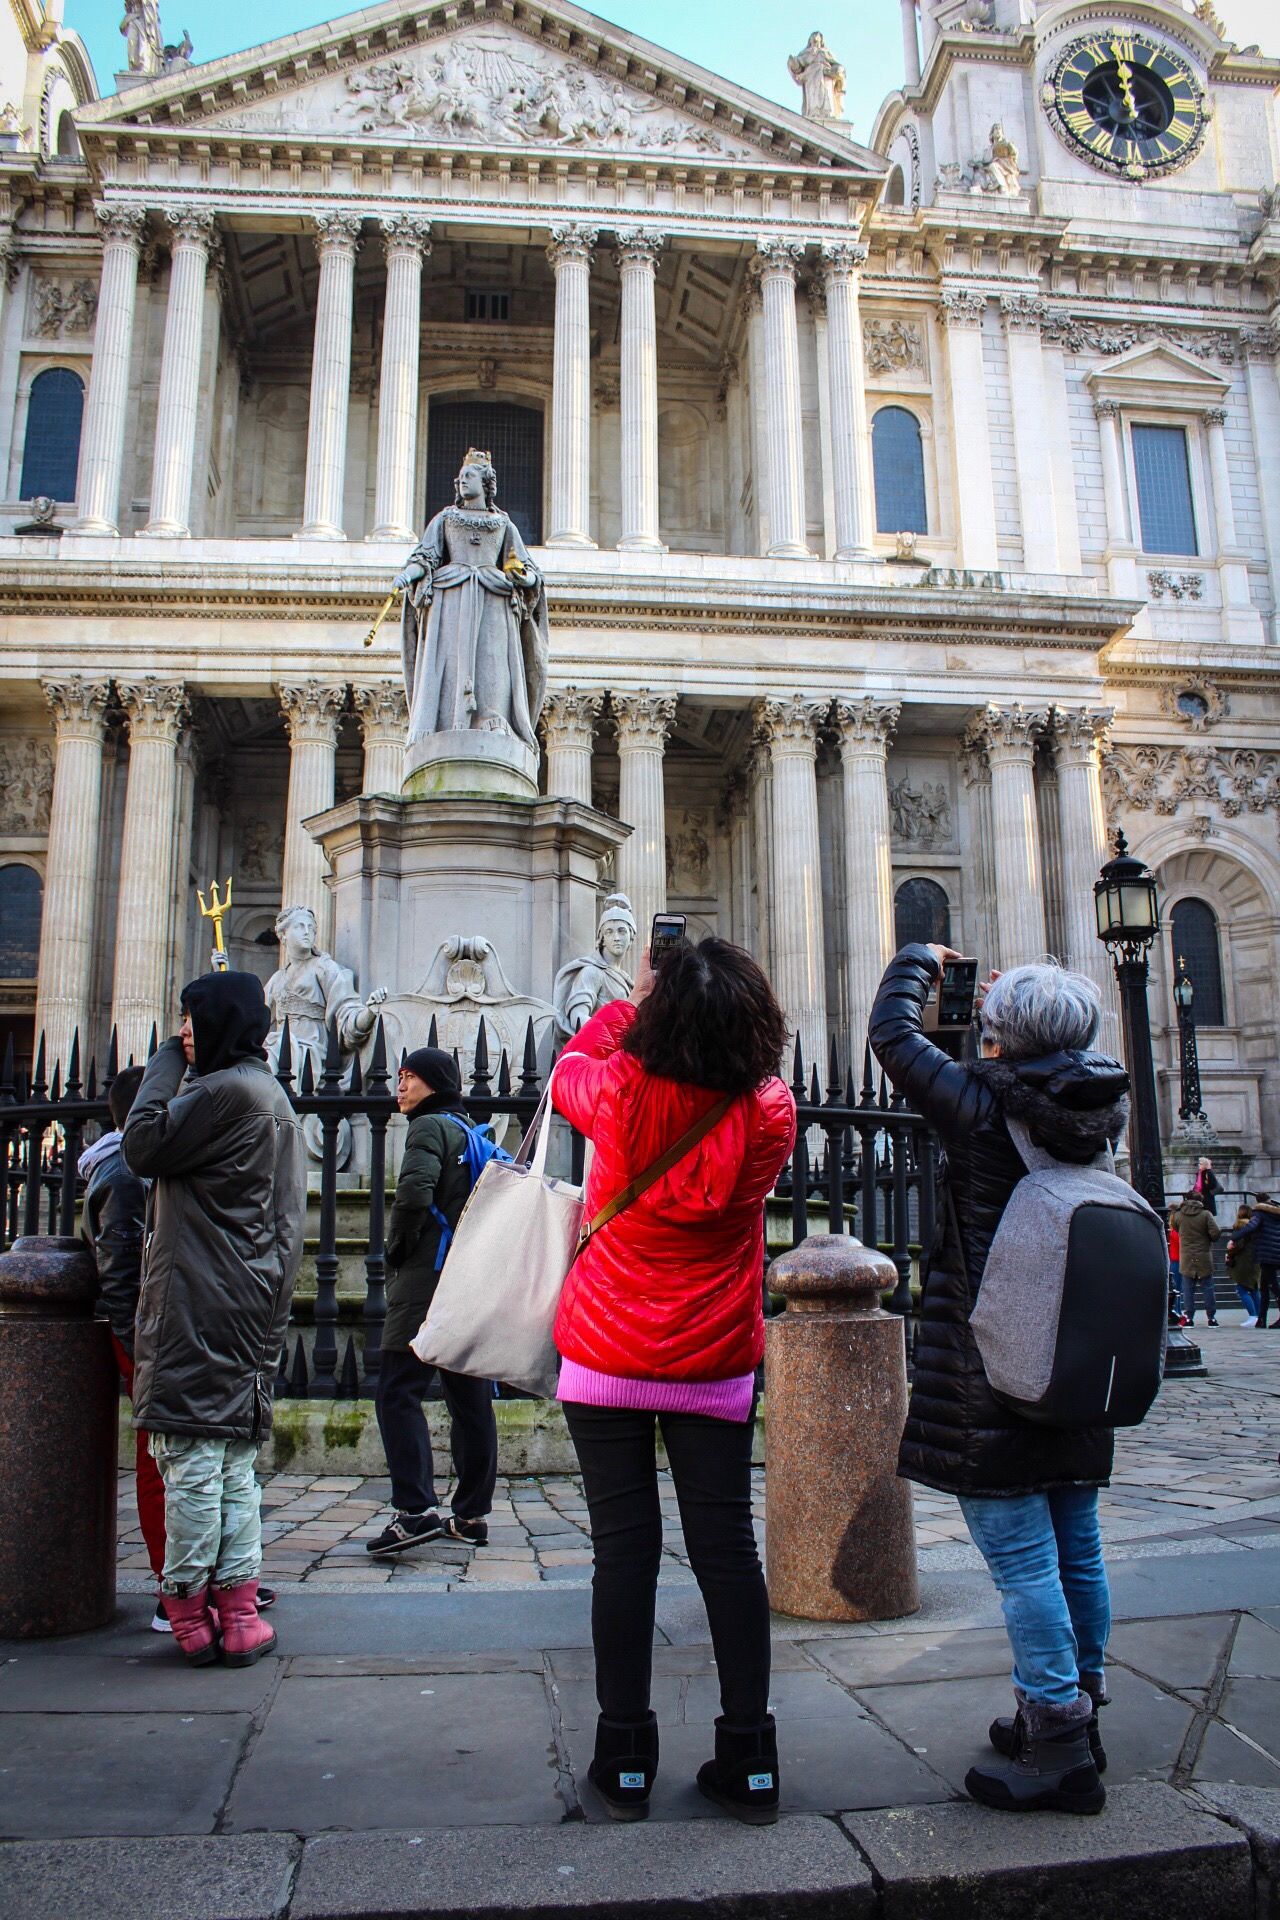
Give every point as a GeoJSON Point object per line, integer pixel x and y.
{"type": "Point", "coordinates": [1200, 1476]}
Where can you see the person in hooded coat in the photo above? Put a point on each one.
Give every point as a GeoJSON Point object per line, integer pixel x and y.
{"type": "Point", "coordinates": [214, 1132]}
{"type": "Point", "coordinates": [1029, 1493]}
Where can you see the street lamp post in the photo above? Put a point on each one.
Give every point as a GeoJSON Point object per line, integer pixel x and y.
{"type": "Point", "coordinates": [1128, 916]}
{"type": "Point", "coordinates": [1190, 1104]}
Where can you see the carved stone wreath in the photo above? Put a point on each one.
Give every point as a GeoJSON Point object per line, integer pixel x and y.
{"type": "Point", "coordinates": [1195, 702]}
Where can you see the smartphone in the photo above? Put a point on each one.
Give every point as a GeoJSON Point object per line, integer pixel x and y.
{"type": "Point", "coordinates": [949, 1008]}
{"type": "Point", "coordinates": [666, 932]}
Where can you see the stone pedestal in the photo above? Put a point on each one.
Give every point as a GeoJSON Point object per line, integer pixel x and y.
{"type": "Point", "coordinates": [58, 1396]}
{"type": "Point", "coordinates": [471, 763]}
{"type": "Point", "coordinates": [841, 1542]}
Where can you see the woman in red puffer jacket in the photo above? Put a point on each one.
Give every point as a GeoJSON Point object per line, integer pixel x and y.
{"type": "Point", "coordinates": [661, 1319]}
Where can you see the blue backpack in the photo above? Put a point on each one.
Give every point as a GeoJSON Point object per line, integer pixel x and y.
{"type": "Point", "coordinates": [479, 1150]}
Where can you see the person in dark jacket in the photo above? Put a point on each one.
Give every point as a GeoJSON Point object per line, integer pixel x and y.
{"type": "Point", "coordinates": [1029, 1493]}
{"type": "Point", "coordinates": [1208, 1185]}
{"type": "Point", "coordinates": [1242, 1265]}
{"type": "Point", "coordinates": [1264, 1232]}
{"type": "Point", "coordinates": [431, 1192]}
{"type": "Point", "coordinates": [223, 1150]}
{"type": "Point", "coordinates": [1197, 1229]}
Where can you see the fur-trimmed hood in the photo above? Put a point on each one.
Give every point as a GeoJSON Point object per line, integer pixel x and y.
{"type": "Point", "coordinates": [1072, 1104]}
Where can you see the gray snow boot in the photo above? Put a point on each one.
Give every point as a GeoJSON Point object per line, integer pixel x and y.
{"type": "Point", "coordinates": [1050, 1768]}
{"type": "Point", "coordinates": [1003, 1736]}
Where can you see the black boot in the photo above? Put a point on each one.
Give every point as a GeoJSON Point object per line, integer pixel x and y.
{"type": "Point", "coordinates": [743, 1777]}
{"type": "Point", "coordinates": [625, 1765]}
{"type": "Point", "coordinates": [1003, 1737]}
{"type": "Point", "coordinates": [1051, 1766]}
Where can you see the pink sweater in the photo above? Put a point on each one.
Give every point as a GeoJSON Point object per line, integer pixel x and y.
{"type": "Point", "coordinates": [718, 1399]}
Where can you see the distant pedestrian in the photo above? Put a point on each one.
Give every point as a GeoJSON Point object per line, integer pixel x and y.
{"type": "Point", "coordinates": [1028, 1492]}
{"type": "Point", "coordinates": [1207, 1184]}
{"type": "Point", "coordinates": [432, 1190]}
{"type": "Point", "coordinates": [660, 1320]}
{"type": "Point", "coordinates": [1263, 1230]}
{"type": "Point", "coordinates": [223, 1150]}
{"type": "Point", "coordinates": [1242, 1265]}
{"type": "Point", "coordinates": [1175, 1275]}
{"type": "Point", "coordinates": [1197, 1230]}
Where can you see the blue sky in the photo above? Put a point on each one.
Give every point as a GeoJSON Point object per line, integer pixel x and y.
{"type": "Point", "coordinates": [746, 40]}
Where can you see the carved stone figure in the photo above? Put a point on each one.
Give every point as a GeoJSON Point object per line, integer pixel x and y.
{"type": "Point", "coordinates": [921, 815]}
{"type": "Point", "coordinates": [592, 980]}
{"type": "Point", "coordinates": [465, 984]}
{"type": "Point", "coordinates": [998, 170]}
{"type": "Point", "coordinates": [61, 309]}
{"type": "Point", "coordinates": [176, 59]}
{"type": "Point", "coordinates": [820, 78]}
{"type": "Point", "coordinates": [143, 41]}
{"type": "Point", "coordinates": [26, 784]}
{"type": "Point", "coordinates": [259, 850]}
{"type": "Point", "coordinates": [475, 619]}
{"type": "Point", "coordinates": [689, 855]}
{"type": "Point", "coordinates": [892, 346]}
{"type": "Point", "coordinates": [310, 990]}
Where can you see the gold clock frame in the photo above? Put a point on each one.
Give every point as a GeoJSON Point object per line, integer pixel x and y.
{"type": "Point", "coordinates": [1100, 44]}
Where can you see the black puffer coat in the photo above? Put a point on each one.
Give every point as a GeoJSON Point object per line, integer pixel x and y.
{"type": "Point", "coordinates": [225, 1221]}
{"type": "Point", "coordinates": [959, 1437]}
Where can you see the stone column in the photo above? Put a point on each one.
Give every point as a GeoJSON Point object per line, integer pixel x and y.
{"type": "Point", "coordinates": [758, 767]}
{"type": "Point", "coordinates": [1080, 734]}
{"type": "Point", "coordinates": [850, 445]}
{"type": "Point", "coordinates": [1023, 314]}
{"type": "Point", "coordinates": [866, 728]}
{"type": "Point", "coordinates": [790, 726]}
{"type": "Point", "coordinates": [1057, 406]}
{"type": "Point", "coordinates": [106, 408]}
{"type": "Point", "coordinates": [637, 259]}
{"type": "Point", "coordinates": [384, 717]}
{"type": "Point", "coordinates": [1010, 735]}
{"type": "Point", "coordinates": [311, 712]}
{"type": "Point", "coordinates": [569, 717]}
{"type": "Point", "coordinates": [777, 264]}
{"type": "Point", "coordinates": [570, 256]}
{"type": "Point", "coordinates": [984, 938]}
{"type": "Point", "coordinates": [961, 316]}
{"type": "Point", "coordinates": [1260, 346]}
{"type": "Point", "coordinates": [157, 711]}
{"type": "Point", "coordinates": [910, 44]}
{"type": "Point", "coordinates": [644, 721]}
{"type": "Point", "coordinates": [408, 244]}
{"type": "Point", "coordinates": [337, 242]}
{"type": "Point", "coordinates": [65, 975]}
{"type": "Point", "coordinates": [1122, 572]}
{"type": "Point", "coordinates": [1233, 569]}
{"type": "Point", "coordinates": [179, 399]}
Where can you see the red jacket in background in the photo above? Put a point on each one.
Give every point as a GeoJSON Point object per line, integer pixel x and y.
{"type": "Point", "coordinates": [670, 1289]}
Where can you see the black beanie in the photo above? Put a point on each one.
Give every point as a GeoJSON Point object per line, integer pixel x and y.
{"type": "Point", "coordinates": [438, 1068]}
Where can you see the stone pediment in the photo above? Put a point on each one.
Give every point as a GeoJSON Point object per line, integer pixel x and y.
{"type": "Point", "coordinates": [1158, 371]}
{"type": "Point", "coordinates": [484, 76]}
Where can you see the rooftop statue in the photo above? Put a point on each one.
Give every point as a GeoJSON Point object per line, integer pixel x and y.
{"type": "Point", "coordinates": [143, 40]}
{"type": "Point", "coordinates": [821, 78]}
{"type": "Point", "coordinates": [592, 980]}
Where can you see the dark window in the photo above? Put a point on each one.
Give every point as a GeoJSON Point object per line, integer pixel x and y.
{"type": "Point", "coordinates": [68, 139]}
{"type": "Point", "coordinates": [52, 446]}
{"type": "Point", "coordinates": [1163, 473]}
{"type": "Point", "coordinates": [513, 435]}
{"type": "Point", "coordinates": [484, 305]}
{"type": "Point", "coordinates": [895, 195]}
{"type": "Point", "coordinates": [1193, 934]}
{"type": "Point", "coordinates": [898, 460]}
{"type": "Point", "coordinates": [921, 911]}
{"type": "Point", "coordinates": [20, 896]}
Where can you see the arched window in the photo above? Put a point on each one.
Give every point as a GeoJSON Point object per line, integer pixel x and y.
{"type": "Point", "coordinates": [921, 911]}
{"type": "Point", "coordinates": [513, 435]}
{"type": "Point", "coordinates": [1193, 935]}
{"type": "Point", "coordinates": [68, 138]}
{"type": "Point", "coordinates": [21, 894]}
{"type": "Point", "coordinates": [895, 193]}
{"type": "Point", "coordinates": [898, 460]}
{"type": "Point", "coordinates": [52, 448]}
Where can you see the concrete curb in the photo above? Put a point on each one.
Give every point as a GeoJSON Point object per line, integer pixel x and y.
{"type": "Point", "coordinates": [1153, 1854]}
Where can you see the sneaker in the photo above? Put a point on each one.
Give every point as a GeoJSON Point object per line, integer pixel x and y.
{"type": "Point", "coordinates": [1249, 1321]}
{"type": "Point", "coordinates": [160, 1621]}
{"type": "Point", "coordinates": [406, 1531]}
{"type": "Point", "coordinates": [266, 1598]}
{"type": "Point", "coordinates": [472, 1533]}
{"type": "Point", "coordinates": [1212, 1323]}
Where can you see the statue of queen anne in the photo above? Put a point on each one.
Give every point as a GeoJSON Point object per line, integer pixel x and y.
{"type": "Point", "coordinates": [474, 623]}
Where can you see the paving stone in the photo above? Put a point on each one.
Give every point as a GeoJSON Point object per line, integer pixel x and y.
{"type": "Point", "coordinates": [214, 1877]}
{"type": "Point", "coordinates": [1181, 1652]}
{"type": "Point", "coordinates": [116, 1773]}
{"type": "Point", "coordinates": [895, 1658]}
{"type": "Point", "coordinates": [1151, 1854]}
{"type": "Point", "coordinates": [155, 1680]}
{"type": "Point", "coordinates": [1256, 1812]}
{"type": "Point", "coordinates": [1253, 1706]}
{"type": "Point", "coordinates": [720, 1871]}
{"type": "Point", "coordinates": [1255, 1650]}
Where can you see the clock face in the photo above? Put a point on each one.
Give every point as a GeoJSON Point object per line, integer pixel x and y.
{"type": "Point", "coordinates": [1128, 104]}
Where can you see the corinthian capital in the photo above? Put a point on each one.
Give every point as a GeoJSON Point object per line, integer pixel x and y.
{"type": "Point", "coordinates": [569, 716]}
{"type": "Point", "coordinates": [337, 232]}
{"type": "Point", "coordinates": [190, 227]}
{"type": "Point", "coordinates": [157, 709]}
{"type": "Point", "coordinates": [789, 724]}
{"type": "Point", "coordinates": [121, 226]}
{"type": "Point", "coordinates": [1023, 312]}
{"type": "Point", "coordinates": [1010, 732]}
{"type": "Point", "coordinates": [644, 718]}
{"type": "Point", "coordinates": [866, 725]}
{"type": "Point", "coordinates": [639, 247]}
{"type": "Point", "coordinates": [840, 258]}
{"type": "Point", "coordinates": [78, 706]}
{"type": "Point", "coordinates": [406, 233]}
{"type": "Point", "coordinates": [572, 242]}
{"type": "Point", "coordinates": [1081, 733]}
{"type": "Point", "coordinates": [962, 307]}
{"type": "Point", "coordinates": [311, 710]}
{"type": "Point", "coordinates": [774, 255]}
{"type": "Point", "coordinates": [382, 709]}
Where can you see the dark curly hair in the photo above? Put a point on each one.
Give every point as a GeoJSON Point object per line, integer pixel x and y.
{"type": "Point", "coordinates": [711, 1019]}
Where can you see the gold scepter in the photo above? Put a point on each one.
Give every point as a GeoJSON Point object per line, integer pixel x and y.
{"type": "Point", "coordinates": [387, 605]}
{"type": "Point", "coordinates": [217, 913]}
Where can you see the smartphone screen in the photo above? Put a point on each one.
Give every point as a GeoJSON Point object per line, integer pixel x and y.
{"type": "Point", "coordinates": [666, 932]}
{"type": "Point", "coordinates": [956, 993]}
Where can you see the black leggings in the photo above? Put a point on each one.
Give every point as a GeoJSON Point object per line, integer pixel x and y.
{"type": "Point", "coordinates": [711, 1468]}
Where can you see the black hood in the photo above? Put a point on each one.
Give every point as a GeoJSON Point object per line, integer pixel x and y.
{"type": "Point", "coordinates": [229, 1019]}
{"type": "Point", "coordinates": [1072, 1104]}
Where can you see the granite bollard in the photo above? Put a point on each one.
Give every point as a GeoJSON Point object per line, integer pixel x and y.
{"type": "Point", "coordinates": [841, 1540]}
{"type": "Point", "coordinates": [58, 1394]}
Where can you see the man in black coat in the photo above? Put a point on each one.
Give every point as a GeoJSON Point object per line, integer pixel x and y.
{"type": "Point", "coordinates": [213, 1131]}
{"type": "Point", "coordinates": [1264, 1231]}
{"type": "Point", "coordinates": [431, 1192]}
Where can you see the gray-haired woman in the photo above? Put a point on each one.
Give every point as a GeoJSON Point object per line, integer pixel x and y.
{"type": "Point", "coordinates": [1029, 1494]}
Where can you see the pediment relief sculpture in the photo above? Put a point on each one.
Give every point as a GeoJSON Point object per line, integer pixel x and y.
{"type": "Point", "coordinates": [490, 87]}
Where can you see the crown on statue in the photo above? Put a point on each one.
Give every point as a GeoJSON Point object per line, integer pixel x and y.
{"type": "Point", "coordinates": [478, 456]}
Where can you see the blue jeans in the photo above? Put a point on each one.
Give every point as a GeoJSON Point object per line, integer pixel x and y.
{"type": "Point", "coordinates": [1044, 1552]}
{"type": "Point", "coordinates": [1189, 1290]}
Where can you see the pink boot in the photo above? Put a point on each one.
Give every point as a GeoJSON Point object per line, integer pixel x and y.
{"type": "Point", "coordinates": [193, 1627]}
{"type": "Point", "coordinates": [245, 1635]}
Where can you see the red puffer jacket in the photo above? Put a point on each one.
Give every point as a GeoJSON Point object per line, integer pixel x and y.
{"type": "Point", "coordinates": [670, 1289]}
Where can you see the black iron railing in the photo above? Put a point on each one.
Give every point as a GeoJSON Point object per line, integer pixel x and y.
{"type": "Point", "coordinates": [863, 1163]}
